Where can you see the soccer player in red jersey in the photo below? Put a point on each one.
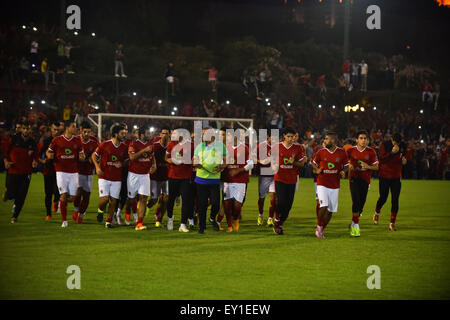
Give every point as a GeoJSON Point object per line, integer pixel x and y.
{"type": "Point", "coordinates": [123, 200]}
{"type": "Point", "coordinates": [20, 159]}
{"type": "Point", "coordinates": [142, 163]}
{"type": "Point", "coordinates": [49, 173]}
{"type": "Point", "coordinates": [85, 173]}
{"type": "Point", "coordinates": [179, 156]}
{"type": "Point", "coordinates": [66, 150]}
{"type": "Point", "coordinates": [330, 164]}
{"type": "Point", "coordinates": [266, 182]}
{"type": "Point", "coordinates": [362, 160]}
{"type": "Point", "coordinates": [390, 173]}
{"type": "Point", "coordinates": [289, 156]}
{"type": "Point", "coordinates": [159, 185]}
{"type": "Point", "coordinates": [236, 177]}
{"type": "Point", "coordinates": [109, 159]}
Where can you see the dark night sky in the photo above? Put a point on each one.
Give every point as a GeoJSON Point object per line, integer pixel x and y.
{"type": "Point", "coordinates": [421, 24]}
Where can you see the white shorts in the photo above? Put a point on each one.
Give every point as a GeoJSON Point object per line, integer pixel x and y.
{"type": "Point", "coordinates": [328, 198]}
{"type": "Point", "coordinates": [266, 184]}
{"type": "Point", "coordinates": [138, 184]}
{"type": "Point", "coordinates": [315, 190]}
{"type": "Point", "coordinates": [234, 191]}
{"type": "Point", "coordinates": [67, 182]}
{"type": "Point", "coordinates": [108, 188]}
{"type": "Point", "coordinates": [158, 188]}
{"type": "Point", "coordinates": [169, 79]}
{"type": "Point", "coordinates": [85, 182]}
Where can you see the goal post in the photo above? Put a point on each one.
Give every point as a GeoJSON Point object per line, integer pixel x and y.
{"type": "Point", "coordinates": [98, 119]}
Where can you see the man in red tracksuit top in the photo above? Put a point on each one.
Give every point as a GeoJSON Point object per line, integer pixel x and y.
{"type": "Point", "coordinates": [390, 173]}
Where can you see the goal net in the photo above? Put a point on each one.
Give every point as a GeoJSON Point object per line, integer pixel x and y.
{"type": "Point", "coordinates": [102, 122]}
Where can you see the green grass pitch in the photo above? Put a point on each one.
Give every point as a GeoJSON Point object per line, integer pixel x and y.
{"type": "Point", "coordinates": [254, 263]}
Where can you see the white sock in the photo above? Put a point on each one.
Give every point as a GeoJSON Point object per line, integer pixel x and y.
{"type": "Point", "coordinates": [353, 224]}
{"type": "Point", "coordinates": [261, 215]}
{"type": "Point", "coordinates": [377, 214]}
{"type": "Point", "coordinates": [135, 216]}
{"type": "Point", "coordinates": [182, 225]}
{"type": "Point", "coordinates": [191, 221]}
{"type": "Point", "coordinates": [170, 219]}
{"type": "Point", "coordinates": [75, 208]}
{"type": "Point", "coordinates": [81, 215]}
{"type": "Point", "coordinates": [270, 218]}
{"type": "Point", "coordinates": [356, 225]}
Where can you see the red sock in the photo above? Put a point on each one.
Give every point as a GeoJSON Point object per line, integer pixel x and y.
{"type": "Point", "coordinates": [219, 218]}
{"type": "Point", "coordinates": [393, 216]}
{"type": "Point", "coordinates": [237, 210]}
{"type": "Point", "coordinates": [140, 220]}
{"type": "Point", "coordinates": [84, 204]}
{"type": "Point", "coordinates": [108, 219]}
{"type": "Point", "coordinates": [272, 207]}
{"type": "Point", "coordinates": [134, 207]}
{"type": "Point", "coordinates": [277, 216]}
{"type": "Point", "coordinates": [355, 219]}
{"type": "Point", "coordinates": [261, 205]}
{"type": "Point", "coordinates": [228, 211]}
{"type": "Point", "coordinates": [63, 207]}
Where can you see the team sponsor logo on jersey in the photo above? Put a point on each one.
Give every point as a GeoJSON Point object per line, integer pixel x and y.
{"type": "Point", "coordinates": [330, 165]}
{"type": "Point", "coordinates": [68, 151]}
{"type": "Point", "coordinates": [145, 154]}
{"type": "Point", "coordinates": [113, 158]}
{"type": "Point", "coordinates": [179, 155]}
{"type": "Point", "coordinates": [286, 160]}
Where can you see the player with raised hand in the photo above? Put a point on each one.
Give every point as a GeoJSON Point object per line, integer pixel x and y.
{"type": "Point", "coordinates": [330, 164]}
{"type": "Point", "coordinates": [179, 156]}
{"type": "Point", "coordinates": [142, 164]}
{"type": "Point", "coordinates": [236, 177]}
{"type": "Point", "coordinates": [85, 173]}
{"type": "Point", "coordinates": [362, 160]}
{"type": "Point", "coordinates": [109, 159]}
{"type": "Point", "coordinates": [287, 158]}
{"type": "Point", "coordinates": [66, 150]}
{"type": "Point", "coordinates": [20, 158]}
{"type": "Point", "coordinates": [390, 173]}
{"type": "Point", "coordinates": [266, 182]}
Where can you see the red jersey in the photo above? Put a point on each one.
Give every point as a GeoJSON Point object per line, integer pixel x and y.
{"type": "Point", "coordinates": [331, 163]}
{"type": "Point", "coordinates": [66, 153]}
{"type": "Point", "coordinates": [238, 157]}
{"type": "Point", "coordinates": [110, 154]}
{"type": "Point", "coordinates": [143, 164]}
{"type": "Point", "coordinates": [182, 170]}
{"type": "Point", "coordinates": [22, 153]}
{"type": "Point", "coordinates": [355, 156]}
{"type": "Point", "coordinates": [287, 173]}
{"type": "Point", "coordinates": [162, 170]}
{"type": "Point", "coordinates": [390, 164]}
{"type": "Point", "coordinates": [86, 167]}
{"type": "Point", "coordinates": [315, 149]}
{"type": "Point", "coordinates": [265, 154]}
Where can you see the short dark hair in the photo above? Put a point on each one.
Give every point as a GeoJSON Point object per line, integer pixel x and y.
{"type": "Point", "coordinates": [223, 129]}
{"type": "Point", "coordinates": [141, 130]}
{"type": "Point", "coordinates": [165, 128]}
{"type": "Point", "coordinates": [67, 123]}
{"type": "Point", "coordinates": [332, 134]}
{"type": "Point", "coordinates": [364, 132]}
{"type": "Point", "coordinates": [288, 130]}
{"type": "Point", "coordinates": [116, 128]}
{"type": "Point", "coordinates": [397, 137]}
{"type": "Point", "coordinates": [85, 125]}
{"type": "Point", "coordinates": [55, 123]}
